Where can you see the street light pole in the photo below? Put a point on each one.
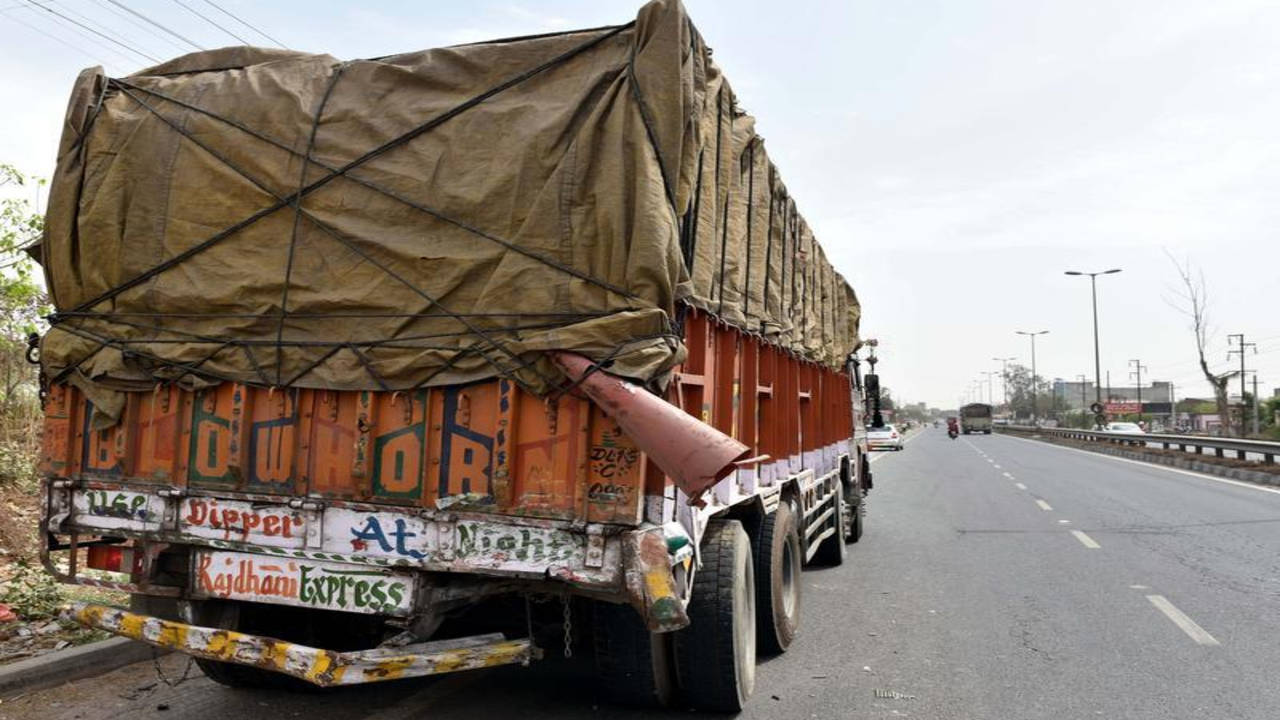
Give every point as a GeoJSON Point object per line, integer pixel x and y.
{"type": "Point", "coordinates": [1035, 412]}
{"type": "Point", "coordinates": [1004, 376]}
{"type": "Point", "coordinates": [990, 392]}
{"type": "Point", "coordinates": [1097, 356]}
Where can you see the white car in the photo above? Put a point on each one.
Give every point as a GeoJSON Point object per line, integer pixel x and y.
{"type": "Point", "coordinates": [1126, 428]}
{"type": "Point", "coordinates": [884, 438]}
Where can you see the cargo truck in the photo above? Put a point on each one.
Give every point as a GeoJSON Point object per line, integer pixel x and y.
{"type": "Point", "coordinates": [975, 418]}
{"type": "Point", "coordinates": [378, 369]}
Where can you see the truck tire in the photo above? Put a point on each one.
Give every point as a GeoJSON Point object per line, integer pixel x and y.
{"type": "Point", "coordinates": [832, 551]}
{"type": "Point", "coordinates": [632, 664]}
{"type": "Point", "coordinates": [778, 567]}
{"type": "Point", "coordinates": [716, 654]}
{"type": "Point", "coordinates": [854, 504]}
{"type": "Point", "coordinates": [853, 529]}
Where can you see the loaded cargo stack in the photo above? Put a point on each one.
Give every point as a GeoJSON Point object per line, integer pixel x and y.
{"type": "Point", "coordinates": [350, 358]}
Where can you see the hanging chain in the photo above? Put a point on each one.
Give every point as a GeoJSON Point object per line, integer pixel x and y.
{"type": "Point", "coordinates": [568, 627]}
{"type": "Point", "coordinates": [528, 619]}
{"type": "Point", "coordinates": [155, 660]}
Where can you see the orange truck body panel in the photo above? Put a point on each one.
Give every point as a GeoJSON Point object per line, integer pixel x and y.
{"type": "Point", "coordinates": [491, 444]}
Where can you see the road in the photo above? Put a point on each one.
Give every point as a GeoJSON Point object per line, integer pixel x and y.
{"type": "Point", "coordinates": [999, 578]}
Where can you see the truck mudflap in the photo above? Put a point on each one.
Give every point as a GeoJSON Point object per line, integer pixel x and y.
{"type": "Point", "coordinates": [325, 668]}
{"type": "Point", "coordinates": [650, 582]}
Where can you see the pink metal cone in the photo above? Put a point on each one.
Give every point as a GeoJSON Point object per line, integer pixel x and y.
{"type": "Point", "coordinates": [692, 453]}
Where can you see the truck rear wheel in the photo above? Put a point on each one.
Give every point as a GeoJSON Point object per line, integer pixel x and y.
{"type": "Point", "coordinates": [853, 513]}
{"type": "Point", "coordinates": [716, 654]}
{"type": "Point", "coordinates": [853, 530]}
{"type": "Point", "coordinates": [777, 571]}
{"type": "Point", "coordinates": [633, 664]}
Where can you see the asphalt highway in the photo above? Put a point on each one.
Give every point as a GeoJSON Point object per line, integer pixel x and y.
{"type": "Point", "coordinates": [999, 578]}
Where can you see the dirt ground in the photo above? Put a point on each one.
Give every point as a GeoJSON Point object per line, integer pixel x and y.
{"type": "Point", "coordinates": [29, 598]}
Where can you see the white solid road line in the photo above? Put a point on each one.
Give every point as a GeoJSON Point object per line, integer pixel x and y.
{"type": "Point", "coordinates": [1153, 466]}
{"type": "Point", "coordinates": [1020, 486]}
{"type": "Point", "coordinates": [1179, 618]}
{"type": "Point", "coordinates": [1085, 540]}
{"type": "Point", "coordinates": [1043, 505]}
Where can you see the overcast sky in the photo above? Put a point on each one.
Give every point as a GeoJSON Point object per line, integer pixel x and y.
{"type": "Point", "coordinates": [953, 157]}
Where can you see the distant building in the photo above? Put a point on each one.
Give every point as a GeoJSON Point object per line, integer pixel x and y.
{"type": "Point", "coordinates": [1198, 416]}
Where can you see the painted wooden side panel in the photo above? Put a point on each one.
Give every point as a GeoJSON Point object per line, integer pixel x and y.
{"type": "Point", "coordinates": [794, 411]}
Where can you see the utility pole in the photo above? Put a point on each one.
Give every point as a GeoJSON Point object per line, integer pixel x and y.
{"type": "Point", "coordinates": [1240, 346]}
{"type": "Point", "coordinates": [1257, 408]}
{"type": "Point", "coordinates": [1138, 367]}
{"type": "Point", "coordinates": [1034, 409]}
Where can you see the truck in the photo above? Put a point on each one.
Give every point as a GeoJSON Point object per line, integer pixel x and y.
{"type": "Point", "coordinates": [378, 369]}
{"type": "Point", "coordinates": [975, 417]}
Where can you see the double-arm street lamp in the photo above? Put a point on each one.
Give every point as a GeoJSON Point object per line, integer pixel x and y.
{"type": "Point", "coordinates": [1004, 376]}
{"type": "Point", "coordinates": [1034, 410]}
{"type": "Point", "coordinates": [1097, 358]}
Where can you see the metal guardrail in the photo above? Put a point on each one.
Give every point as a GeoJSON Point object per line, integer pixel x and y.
{"type": "Point", "coordinates": [1197, 444]}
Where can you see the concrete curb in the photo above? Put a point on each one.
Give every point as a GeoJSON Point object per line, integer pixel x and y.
{"type": "Point", "coordinates": [72, 663]}
{"type": "Point", "coordinates": [1191, 463]}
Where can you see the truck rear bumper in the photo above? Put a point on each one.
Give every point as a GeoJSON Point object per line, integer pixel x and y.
{"type": "Point", "coordinates": [621, 564]}
{"type": "Point", "coordinates": [324, 668]}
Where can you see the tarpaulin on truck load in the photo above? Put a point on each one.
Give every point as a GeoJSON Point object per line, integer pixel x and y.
{"type": "Point", "coordinates": [286, 219]}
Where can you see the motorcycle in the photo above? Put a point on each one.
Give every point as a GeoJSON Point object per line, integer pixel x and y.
{"type": "Point", "coordinates": [953, 433]}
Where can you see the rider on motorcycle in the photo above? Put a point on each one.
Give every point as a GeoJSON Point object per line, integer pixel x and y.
{"type": "Point", "coordinates": [953, 428]}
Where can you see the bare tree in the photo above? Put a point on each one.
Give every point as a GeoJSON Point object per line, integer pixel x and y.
{"type": "Point", "coordinates": [1192, 301]}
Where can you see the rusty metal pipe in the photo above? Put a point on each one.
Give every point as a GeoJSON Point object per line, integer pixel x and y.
{"type": "Point", "coordinates": [692, 453]}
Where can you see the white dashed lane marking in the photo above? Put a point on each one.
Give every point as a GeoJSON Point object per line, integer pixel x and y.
{"type": "Point", "coordinates": [1085, 540]}
{"type": "Point", "coordinates": [1020, 486]}
{"type": "Point", "coordinates": [1179, 618]}
{"type": "Point", "coordinates": [1043, 505]}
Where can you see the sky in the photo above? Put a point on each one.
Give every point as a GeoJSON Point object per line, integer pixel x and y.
{"type": "Point", "coordinates": [954, 158]}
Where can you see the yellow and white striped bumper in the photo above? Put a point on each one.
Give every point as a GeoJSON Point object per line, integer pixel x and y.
{"type": "Point", "coordinates": [322, 667]}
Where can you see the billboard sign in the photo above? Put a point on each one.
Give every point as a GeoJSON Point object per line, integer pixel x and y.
{"type": "Point", "coordinates": [1123, 408]}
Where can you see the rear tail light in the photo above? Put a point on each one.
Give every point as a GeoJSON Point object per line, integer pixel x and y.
{"type": "Point", "coordinates": [112, 558]}
{"type": "Point", "coordinates": [893, 435]}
